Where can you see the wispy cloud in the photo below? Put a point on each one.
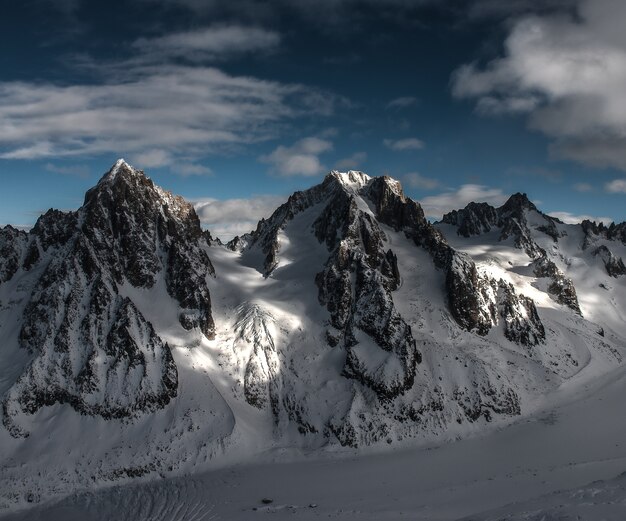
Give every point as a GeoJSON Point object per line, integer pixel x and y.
{"type": "Point", "coordinates": [583, 187]}
{"type": "Point", "coordinates": [404, 144]}
{"type": "Point", "coordinates": [153, 113]}
{"type": "Point", "coordinates": [209, 43]}
{"type": "Point", "coordinates": [436, 205]}
{"type": "Point", "coordinates": [403, 102]}
{"type": "Point", "coordinates": [300, 159]}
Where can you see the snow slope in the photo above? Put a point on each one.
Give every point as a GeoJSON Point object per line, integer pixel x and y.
{"type": "Point", "coordinates": [565, 462]}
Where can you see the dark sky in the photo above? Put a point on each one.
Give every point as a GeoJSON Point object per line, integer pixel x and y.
{"type": "Point", "coordinates": [237, 104]}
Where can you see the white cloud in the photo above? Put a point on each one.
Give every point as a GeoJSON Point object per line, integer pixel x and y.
{"type": "Point", "coordinates": [354, 162]}
{"type": "Point", "coordinates": [436, 205]}
{"type": "Point", "coordinates": [583, 187]}
{"type": "Point", "coordinates": [403, 102]}
{"type": "Point", "coordinates": [617, 186]}
{"type": "Point", "coordinates": [416, 180]}
{"type": "Point", "coordinates": [300, 159]}
{"type": "Point", "coordinates": [404, 144]}
{"type": "Point", "coordinates": [568, 74]}
{"type": "Point", "coordinates": [209, 43]}
{"type": "Point", "coordinates": [570, 218]}
{"type": "Point", "coordinates": [229, 217]}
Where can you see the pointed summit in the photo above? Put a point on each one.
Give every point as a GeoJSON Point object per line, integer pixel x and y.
{"type": "Point", "coordinates": [516, 204]}
{"type": "Point", "coordinates": [121, 169]}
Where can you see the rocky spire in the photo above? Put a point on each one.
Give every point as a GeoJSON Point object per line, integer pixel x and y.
{"type": "Point", "coordinates": [77, 323]}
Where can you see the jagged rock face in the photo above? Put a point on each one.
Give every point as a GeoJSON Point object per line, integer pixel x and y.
{"type": "Point", "coordinates": [355, 286]}
{"type": "Point", "coordinates": [512, 221]}
{"type": "Point", "coordinates": [92, 347]}
{"type": "Point", "coordinates": [141, 230]}
{"type": "Point", "coordinates": [510, 218]}
{"type": "Point", "coordinates": [614, 265]}
{"type": "Point", "coordinates": [12, 246]}
{"type": "Point", "coordinates": [465, 289]}
{"type": "Point", "coordinates": [519, 313]}
{"type": "Point", "coordinates": [613, 232]}
{"type": "Point", "coordinates": [474, 219]}
{"type": "Point", "coordinates": [560, 287]}
{"type": "Point", "coordinates": [360, 275]}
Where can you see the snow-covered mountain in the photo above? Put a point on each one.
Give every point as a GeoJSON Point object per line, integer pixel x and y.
{"type": "Point", "coordinates": [131, 344]}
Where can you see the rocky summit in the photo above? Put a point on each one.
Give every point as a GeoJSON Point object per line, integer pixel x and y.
{"type": "Point", "coordinates": [140, 346]}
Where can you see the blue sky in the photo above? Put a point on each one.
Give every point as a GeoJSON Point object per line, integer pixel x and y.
{"type": "Point", "coordinates": [236, 105]}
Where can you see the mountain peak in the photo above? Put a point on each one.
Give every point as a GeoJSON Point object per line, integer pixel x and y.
{"type": "Point", "coordinates": [120, 166]}
{"type": "Point", "coordinates": [517, 202]}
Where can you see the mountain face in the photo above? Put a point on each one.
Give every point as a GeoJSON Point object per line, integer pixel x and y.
{"type": "Point", "coordinates": [140, 346]}
{"type": "Point", "coordinates": [92, 347]}
{"type": "Point", "coordinates": [516, 220]}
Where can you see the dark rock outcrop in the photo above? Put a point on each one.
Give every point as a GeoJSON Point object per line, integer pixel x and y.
{"type": "Point", "coordinates": [474, 219]}
{"type": "Point", "coordinates": [13, 244]}
{"type": "Point", "coordinates": [560, 287]}
{"type": "Point", "coordinates": [510, 219]}
{"type": "Point", "coordinates": [522, 324]}
{"type": "Point", "coordinates": [355, 286]}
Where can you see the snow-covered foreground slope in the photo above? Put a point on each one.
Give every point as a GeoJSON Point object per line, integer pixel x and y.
{"type": "Point", "coordinates": [135, 348]}
{"type": "Point", "coordinates": [564, 463]}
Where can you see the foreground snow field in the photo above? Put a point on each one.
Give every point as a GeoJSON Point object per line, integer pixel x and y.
{"type": "Point", "coordinates": [565, 462]}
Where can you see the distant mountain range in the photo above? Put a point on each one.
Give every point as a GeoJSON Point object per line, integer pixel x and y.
{"type": "Point", "coordinates": [134, 344]}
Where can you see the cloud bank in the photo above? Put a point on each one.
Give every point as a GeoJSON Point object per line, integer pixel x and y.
{"type": "Point", "coordinates": [567, 74]}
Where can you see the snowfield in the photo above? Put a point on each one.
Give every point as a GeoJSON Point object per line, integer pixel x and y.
{"type": "Point", "coordinates": [565, 462]}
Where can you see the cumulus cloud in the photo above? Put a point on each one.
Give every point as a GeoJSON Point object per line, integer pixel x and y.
{"type": "Point", "coordinates": [354, 162]}
{"type": "Point", "coordinates": [209, 43]}
{"type": "Point", "coordinates": [403, 102]}
{"type": "Point", "coordinates": [151, 113]}
{"type": "Point", "coordinates": [617, 186]}
{"type": "Point", "coordinates": [416, 180]}
{"type": "Point", "coordinates": [571, 218]}
{"type": "Point", "coordinates": [404, 144]}
{"type": "Point", "coordinates": [230, 217]}
{"type": "Point", "coordinates": [436, 205]}
{"type": "Point", "coordinates": [567, 74]}
{"type": "Point", "coordinates": [300, 159]}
